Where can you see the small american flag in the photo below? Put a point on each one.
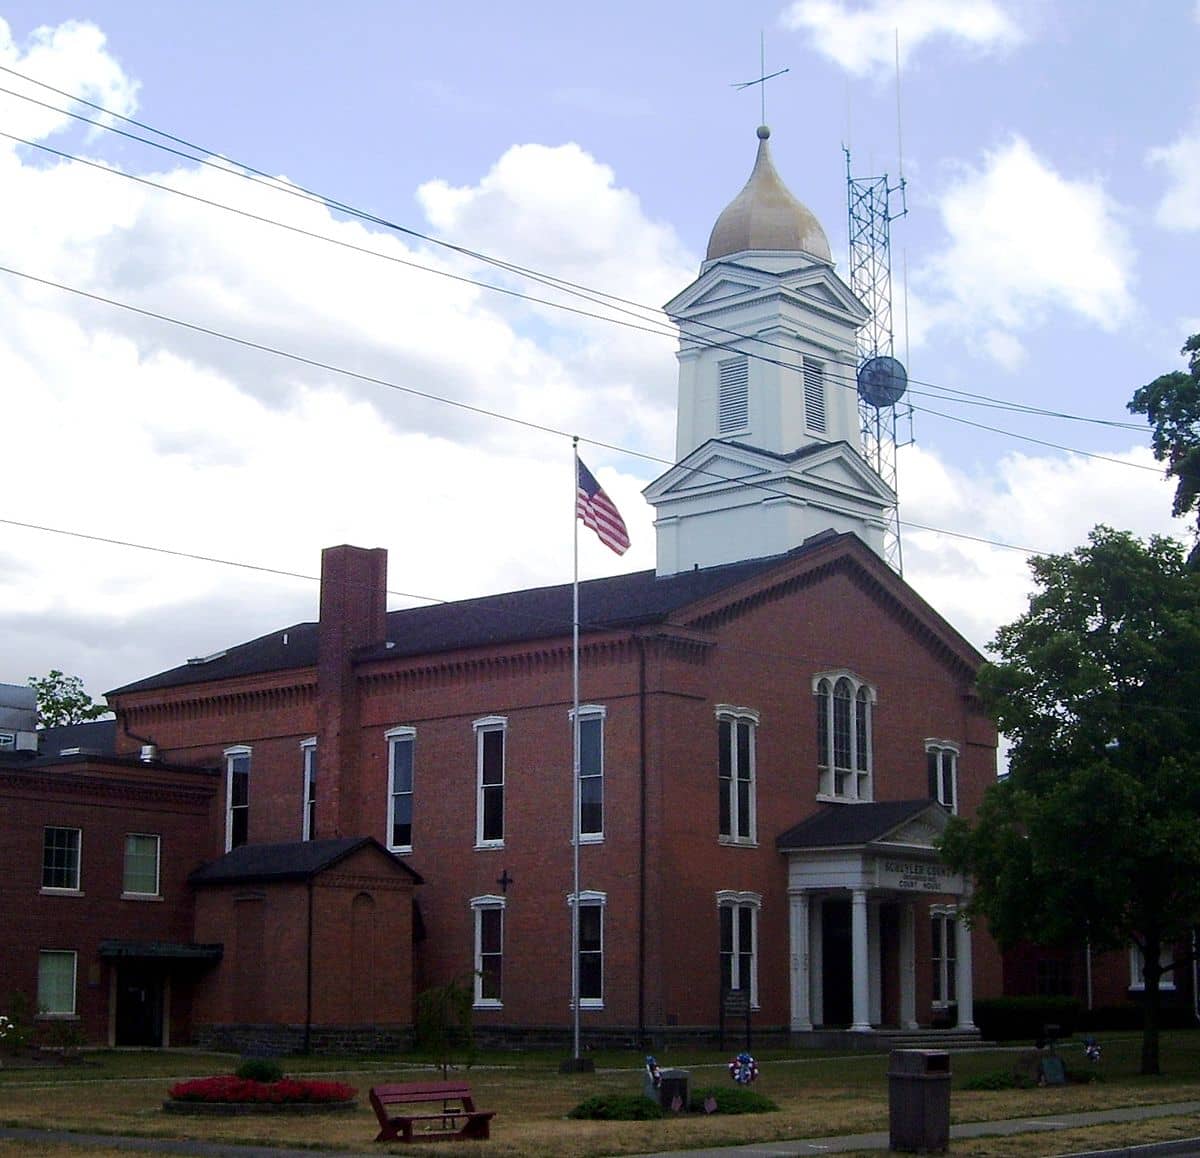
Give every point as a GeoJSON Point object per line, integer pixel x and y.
{"type": "Point", "coordinates": [597, 511]}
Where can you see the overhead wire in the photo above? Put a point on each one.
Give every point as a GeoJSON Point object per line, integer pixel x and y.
{"type": "Point", "coordinates": [643, 312]}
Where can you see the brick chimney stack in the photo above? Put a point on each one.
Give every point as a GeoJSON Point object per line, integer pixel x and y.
{"type": "Point", "coordinates": [353, 616]}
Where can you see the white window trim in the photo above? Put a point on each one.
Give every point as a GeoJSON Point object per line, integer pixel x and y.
{"type": "Point", "coordinates": [1137, 974]}
{"type": "Point", "coordinates": [308, 749]}
{"type": "Point", "coordinates": [76, 890]}
{"type": "Point", "coordinates": [229, 754]}
{"type": "Point", "coordinates": [732, 713]}
{"type": "Point", "coordinates": [733, 395]}
{"type": "Point", "coordinates": [813, 383]}
{"type": "Point", "coordinates": [593, 898]}
{"type": "Point", "coordinates": [947, 913]}
{"type": "Point", "coordinates": [826, 771]}
{"type": "Point", "coordinates": [489, 901]}
{"type": "Point", "coordinates": [392, 735]}
{"type": "Point", "coordinates": [482, 726]}
{"type": "Point", "coordinates": [733, 899]}
{"type": "Point", "coordinates": [157, 894]}
{"type": "Point", "coordinates": [591, 712]}
{"type": "Point", "coordinates": [73, 1012]}
{"type": "Point", "coordinates": [933, 744]}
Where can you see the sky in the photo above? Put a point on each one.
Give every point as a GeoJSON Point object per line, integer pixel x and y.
{"type": "Point", "coordinates": [214, 365]}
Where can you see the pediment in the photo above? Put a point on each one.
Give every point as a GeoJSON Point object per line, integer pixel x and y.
{"type": "Point", "coordinates": [921, 831]}
{"type": "Point", "coordinates": [841, 469]}
{"type": "Point", "coordinates": [722, 291]}
{"type": "Point", "coordinates": [712, 465]}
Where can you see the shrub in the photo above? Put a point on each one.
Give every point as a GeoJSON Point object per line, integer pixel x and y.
{"type": "Point", "coordinates": [732, 1100]}
{"type": "Point", "coordinates": [231, 1088]}
{"type": "Point", "coordinates": [999, 1080]}
{"type": "Point", "coordinates": [1024, 1018]}
{"type": "Point", "coordinates": [260, 1069]}
{"type": "Point", "coordinates": [618, 1108]}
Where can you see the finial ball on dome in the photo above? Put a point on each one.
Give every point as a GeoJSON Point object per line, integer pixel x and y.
{"type": "Point", "coordinates": [763, 132]}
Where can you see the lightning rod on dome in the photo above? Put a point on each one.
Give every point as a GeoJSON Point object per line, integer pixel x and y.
{"type": "Point", "coordinates": [761, 79]}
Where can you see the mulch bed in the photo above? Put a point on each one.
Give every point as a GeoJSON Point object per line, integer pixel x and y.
{"type": "Point", "coordinates": [230, 1109]}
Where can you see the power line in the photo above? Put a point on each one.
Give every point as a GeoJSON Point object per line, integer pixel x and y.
{"type": "Point", "coordinates": [261, 347]}
{"type": "Point", "coordinates": [598, 297]}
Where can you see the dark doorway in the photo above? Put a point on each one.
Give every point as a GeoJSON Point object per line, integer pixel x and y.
{"type": "Point", "coordinates": [837, 968]}
{"type": "Point", "coordinates": [139, 1004]}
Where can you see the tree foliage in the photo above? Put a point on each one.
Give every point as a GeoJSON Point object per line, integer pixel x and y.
{"type": "Point", "coordinates": [1094, 836]}
{"type": "Point", "coordinates": [1171, 404]}
{"type": "Point", "coordinates": [62, 700]}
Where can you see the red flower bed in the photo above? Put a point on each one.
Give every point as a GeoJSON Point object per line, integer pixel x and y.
{"type": "Point", "coordinates": [229, 1088]}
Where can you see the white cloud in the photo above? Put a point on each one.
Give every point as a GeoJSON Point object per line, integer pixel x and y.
{"type": "Point", "coordinates": [1044, 503]}
{"type": "Point", "coordinates": [862, 37]}
{"type": "Point", "coordinates": [1023, 241]}
{"type": "Point", "coordinates": [72, 57]}
{"type": "Point", "coordinates": [140, 431]}
{"type": "Point", "coordinates": [1179, 207]}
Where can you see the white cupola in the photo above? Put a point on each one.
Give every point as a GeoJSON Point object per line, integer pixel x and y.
{"type": "Point", "coordinates": [767, 441]}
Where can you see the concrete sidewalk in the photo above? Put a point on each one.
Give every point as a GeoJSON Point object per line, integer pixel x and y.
{"type": "Point", "coordinates": [841, 1144]}
{"type": "Point", "coordinates": [848, 1143]}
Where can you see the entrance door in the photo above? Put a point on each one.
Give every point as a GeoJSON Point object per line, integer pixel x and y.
{"type": "Point", "coordinates": [837, 971]}
{"type": "Point", "coordinates": [139, 1004]}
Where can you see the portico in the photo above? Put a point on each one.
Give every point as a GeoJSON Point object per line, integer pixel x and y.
{"type": "Point", "coordinates": [860, 878]}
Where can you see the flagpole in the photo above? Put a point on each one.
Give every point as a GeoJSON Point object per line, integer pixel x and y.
{"type": "Point", "coordinates": [575, 753]}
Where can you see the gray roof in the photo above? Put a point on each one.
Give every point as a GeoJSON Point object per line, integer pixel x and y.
{"type": "Point", "coordinates": [845, 825]}
{"type": "Point", "coordinates": [619, 601]}
{"type": "Point", "coordinates": [299, 860]}
{"type": "Point", "coordinates": [94, 737]}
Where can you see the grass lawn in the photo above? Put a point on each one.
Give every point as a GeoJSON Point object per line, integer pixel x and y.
{"type": "Point", "coordinates": [818, 1094]}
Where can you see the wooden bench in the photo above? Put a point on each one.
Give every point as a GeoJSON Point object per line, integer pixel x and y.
{"type": "Point", "coordinates": [394, 1127]}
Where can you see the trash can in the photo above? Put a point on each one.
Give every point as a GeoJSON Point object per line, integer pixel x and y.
{"type": "Point", "coordinates": [919, 1100]}
{"type": "Point", "coordinates": [674, 1084]}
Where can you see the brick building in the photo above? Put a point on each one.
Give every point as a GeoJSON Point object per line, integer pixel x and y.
{"type": "Point", "coordinates": [773, 726]}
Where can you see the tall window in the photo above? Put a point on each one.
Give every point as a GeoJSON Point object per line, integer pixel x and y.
{"type": "Point", "coordinates": [1137, 968]}
{"type": "Point", "coordinates": [733, 398]}
{"type": "Point", "coordinates": [844, 706]}
{"type": "Point", "coordinates": [56, 982]}
{"type": "Point", "coordinates": [739, 941]}
{"type": "Point", "coordinates": [943, 954]}
{"type": "Point", "coordinates": [402, 744]}
{"type": "Point", "coordinates": [941, 761]}
{"type": "Point", "coordinates": [489, 951]}
{"type": "Point", "coordinates": [735, 773]}
{"type": "Point", "coordinates": [814, 395]}
{"type": "Point", "coordinates": [140, 877]}
{"type": "Point", "coordinates": [60, 858]}
{"type": "Point", "coordinates": [237, 796]}
{"type": "Point", "coordinates": [308, 759]}
{"type": "Point", "coordinates": [489, 760]}
{"type": "Point", "coordinates": [591, 949]}
{"type": "Point", "coordinates": [591, 772]}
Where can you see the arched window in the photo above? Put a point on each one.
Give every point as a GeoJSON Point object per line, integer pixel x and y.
{"type": "Point", "coordinates": [844, 762]}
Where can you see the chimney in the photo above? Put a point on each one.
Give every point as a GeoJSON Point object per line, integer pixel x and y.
{"type": "Point", "coordinates": [353, 616]}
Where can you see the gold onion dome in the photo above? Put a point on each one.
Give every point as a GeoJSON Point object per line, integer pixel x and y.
{"type": "Point", "coordinates": [765, 216]}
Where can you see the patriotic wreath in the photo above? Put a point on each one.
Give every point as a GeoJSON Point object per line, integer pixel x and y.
{"type": "Point", "coordinates": [743, 1069]}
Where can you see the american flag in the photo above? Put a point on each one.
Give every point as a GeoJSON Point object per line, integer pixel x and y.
{"type": "Point", "coordinates": [597, 511]}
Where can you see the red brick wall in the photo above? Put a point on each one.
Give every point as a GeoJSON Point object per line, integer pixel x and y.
{"type": "Point", "coordinates": [106, 802]}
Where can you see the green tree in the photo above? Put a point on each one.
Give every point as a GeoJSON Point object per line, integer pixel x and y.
{"type": "Point", "coordinates": [1171, 404]}
{"type": "Point", "coordinates": [1093, 838]}
{"type": "Point", "coordinates": [62, 700]}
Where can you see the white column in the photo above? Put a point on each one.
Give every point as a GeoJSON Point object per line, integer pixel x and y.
{"type": "Point", "coordinates": [798, 917]}
{"type": "Point", "coordinates": [816, 962]}
{"type": "Point", "coordinates": [874, 963]}
{"type": "Point", "coordinates": [962, 975]}
{"type": "Point", "coordinates": [908, 966]}
{"type": "Point", "coordinates": [859, 952]}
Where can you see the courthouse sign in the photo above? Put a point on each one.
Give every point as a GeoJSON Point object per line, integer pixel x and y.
{"type": "Point", "coordinates": [916, 876]}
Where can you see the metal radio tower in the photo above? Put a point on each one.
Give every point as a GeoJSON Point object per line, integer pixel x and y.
{"type": "Point", "coordinates": [882, 380]}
